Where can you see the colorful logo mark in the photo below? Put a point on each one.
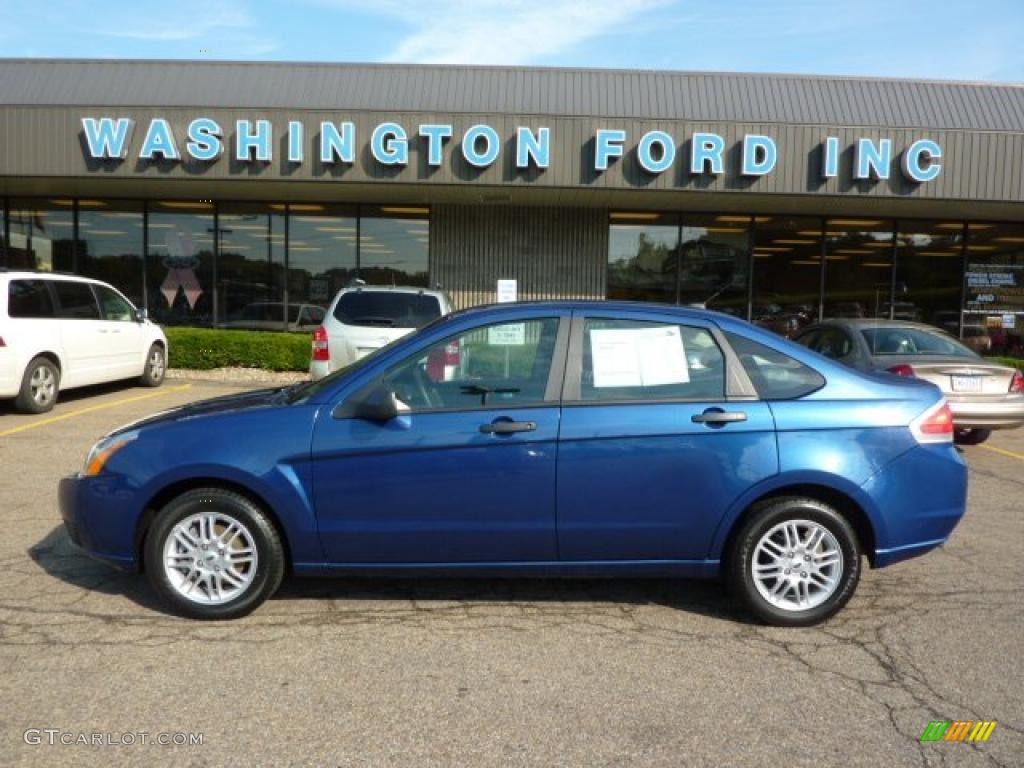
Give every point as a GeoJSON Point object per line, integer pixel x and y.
{"type": "Point", "coordinates": [958, 730]}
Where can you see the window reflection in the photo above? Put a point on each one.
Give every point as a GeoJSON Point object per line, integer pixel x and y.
{"type": "Point", "coordinates": [250, 267]}
{"type": "Point", "coordinates": [42, 235]}
{"type": "Point", "coordinates": [787, 272]}
{"type": "Point", "coordinates": [179, 264]}
{"type": "Point", "coordinates": [713, 262]}
{"type": "Point", "coordinates": [929, 272]}
{"type": "Point", "coordinates": [643, 255]}
{"type": "Point", "coordinates": [110, 238]}
{"type": "Point", "coordinates": [858, 270]}
{"type": "Point", "coordinates": [993, 320]}
{"type": "Point", "coordinates": [321, 254]}
{"type": "Point", "coordinates": [394, 246]}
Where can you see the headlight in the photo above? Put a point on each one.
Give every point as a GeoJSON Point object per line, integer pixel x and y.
{"type": "Point", "coordinates": [103, 450]}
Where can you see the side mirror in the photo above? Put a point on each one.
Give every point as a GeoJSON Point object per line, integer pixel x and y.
{"type": "Point", "coordinates": [141, 315]}
{"type": "Point", "coordinates": [378, 404]}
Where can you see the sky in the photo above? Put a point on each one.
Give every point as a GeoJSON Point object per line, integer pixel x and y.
{"type": "Point", "coordinates": [943, 39]}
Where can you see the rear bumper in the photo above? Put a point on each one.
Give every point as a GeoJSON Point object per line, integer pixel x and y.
{"type": "Point", "coordinates": [1003, 414]}
{"type": "Point", "coordinates": [91, 519]}
{"type": "Point", "coordinates": [920, 498]}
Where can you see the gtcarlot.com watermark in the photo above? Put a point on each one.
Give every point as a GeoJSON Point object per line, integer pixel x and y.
{"type": "Point", "coordinates": [57, 736]}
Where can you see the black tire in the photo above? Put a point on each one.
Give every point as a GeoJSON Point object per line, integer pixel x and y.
{"type": "Point", "coordinates": [156, 366]}
{"type": "Point", "coordinates": [741, 559]}
{"type": "Point", "coordinates": [29, 399]}
{"type": "Point", "coordinates": [971, 436]}
{"type": "Point", "coordinates": [270, 557]}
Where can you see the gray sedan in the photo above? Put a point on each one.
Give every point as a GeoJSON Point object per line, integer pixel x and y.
{"type": "Point", "coordinates": [982, 395]}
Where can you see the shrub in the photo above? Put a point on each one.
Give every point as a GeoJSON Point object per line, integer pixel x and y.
{"type": "Point", "coordinates": [1013, 362]}
{"type": "Point", "coordinates": [205, 348]}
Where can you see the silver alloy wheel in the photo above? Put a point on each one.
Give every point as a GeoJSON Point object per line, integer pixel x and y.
{"type": "Point", "coordinates": [156, 364]}
{"type": "Point", "coordinates": [43, 386]}
{"type": "Point", "coordinates": [210, 558]}
{"type": "Point", "coordinates": [797, 565]}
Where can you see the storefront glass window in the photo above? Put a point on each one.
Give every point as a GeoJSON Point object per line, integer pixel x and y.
{"type": "Point", "coordinates": [713, 262]}
{"type": "Point", "coordinates": [110, 238]}
{"type": "Point", "coordinates": [858, 270]}
{"type": "Point", "coordinates": [42, 235]}
{"type": "Point", "coordinates": [180, 272]}
{"type": "Point", "coordinates": [929, 272]}
{"type": "Point", "coordinates": [250, 266]}
{"type": "Point", "coordinates": [787, 272]}
{"type": "Point", "coordinates": [321, 253]}
{"type": "Point", "coordinates": [993, 320]}
{"type": "Point", "coordinates": [643, 256]}
{"type": "Point", "coordinates": [394, 246]}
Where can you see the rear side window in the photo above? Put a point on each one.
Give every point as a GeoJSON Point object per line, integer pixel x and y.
{"type": "Point", "coordinates": [29, 298]}
{"type": "Point", "coordinates": [775, 375]}
{"type": "Point", "coordinates": [114, 306]}
{"type": "Point", "coordinates": [75, 301]}
{"type": "Point", "coordinates": [636, 360]}
{"type": "Point", "coordinates": [387, 310]}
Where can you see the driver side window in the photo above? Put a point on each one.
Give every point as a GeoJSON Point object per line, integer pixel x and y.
{"type": "Point", "coordinates": [506, 364]}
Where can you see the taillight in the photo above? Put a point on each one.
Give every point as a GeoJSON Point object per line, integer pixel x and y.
{"type": "Point", "coordinates": [451, 353]}
{"type": "Point", "coordinates": [1016, 384]}
{"type": "Point", "coordinates": [934, 425]}
{"type": "Point", "coordinates": [2, 343]}
{"type": "Point", "coordinates": [321, 350]}
{"type": "Point", "coordinates": [901, 370]}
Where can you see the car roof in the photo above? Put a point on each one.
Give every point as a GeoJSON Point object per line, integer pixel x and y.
{"type": "Point", "coordinates": [683, 313]}
{"type": "Point", "coordinates": [392, 289]}
{"type": "Point", "coordinates": [28, 274]}
{"type": "Point", "coordinates": [860, 323]}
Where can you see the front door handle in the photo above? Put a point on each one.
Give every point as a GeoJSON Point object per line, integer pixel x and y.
{"type": "Point", "coordinates": [718, 416]}
{"type": "Point", "coordinates": [505, 427]}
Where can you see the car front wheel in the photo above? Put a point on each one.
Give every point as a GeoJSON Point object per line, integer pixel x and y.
{"type": "Point", "coordinates": [213, 554]}
{"type": "Point", "coordinates": [795, 562]}
{"type": "Point", "coordinates": [156, 366]}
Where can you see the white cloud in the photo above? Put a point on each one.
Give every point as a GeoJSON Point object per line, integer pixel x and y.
{"type": "Point", "coordinates": [499, 31]}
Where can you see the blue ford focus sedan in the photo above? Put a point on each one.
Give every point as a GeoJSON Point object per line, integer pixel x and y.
{"type": "Point", "coordinates": [554, 439]}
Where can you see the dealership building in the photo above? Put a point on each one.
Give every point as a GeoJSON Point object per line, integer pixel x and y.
{"type": "Point", "coordinates": [203, 190]}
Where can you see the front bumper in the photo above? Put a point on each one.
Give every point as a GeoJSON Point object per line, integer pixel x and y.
{"type": "Point", "coordinates": [999, 414]}
{"type": "Point", "coordinates": [95, 518]}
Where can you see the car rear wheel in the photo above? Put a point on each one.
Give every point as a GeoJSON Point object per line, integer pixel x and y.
{"type": "Point", "coordinates": [795, 562]}
{"type": "Point", "coordinates": [156, 367]}
{"type": "Point", "coordinates": [971, 436]}
{"type": "Point", "coordinates": [213, 554]}
{"type": "Point", "coordinates": [39, 387]}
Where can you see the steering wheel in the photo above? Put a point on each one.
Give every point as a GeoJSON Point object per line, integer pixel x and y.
{"type": "Point", "coordinates": [424, 386]}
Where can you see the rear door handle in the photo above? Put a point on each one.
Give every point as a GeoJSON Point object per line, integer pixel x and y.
{"type": "Point", "coordinates": [502, 427]}
{"type": "Point", "coordinates": [718, 416]}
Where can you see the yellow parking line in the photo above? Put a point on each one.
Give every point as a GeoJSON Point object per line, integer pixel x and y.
{"type": "Point", "coordinates": [1003, 451]}
{"type": "Point", "coordinates": [91, 408]}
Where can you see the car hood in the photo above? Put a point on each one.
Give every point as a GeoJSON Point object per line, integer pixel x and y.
{"type": "Point", "coordinates": [258, 398]}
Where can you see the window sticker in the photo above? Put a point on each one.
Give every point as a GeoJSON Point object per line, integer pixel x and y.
{"type": "Point", "coordinates": [508, 335]}
{"type": "Point", "coordinates": [641, 357]}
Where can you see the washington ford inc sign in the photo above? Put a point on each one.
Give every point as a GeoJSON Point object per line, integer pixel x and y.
{"type": "Point", "coordinates": [480, 145]}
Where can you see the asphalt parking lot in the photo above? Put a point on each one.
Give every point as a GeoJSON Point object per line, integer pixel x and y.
{"type": "Point", "coordinates": [589, 673]}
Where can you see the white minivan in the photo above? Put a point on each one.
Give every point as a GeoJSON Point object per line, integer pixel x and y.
{"type": "Point", "coordinates": [58, 332]}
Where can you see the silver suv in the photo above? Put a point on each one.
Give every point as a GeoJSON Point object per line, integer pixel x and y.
{"type": "Point", "coordinates": [364, 318]}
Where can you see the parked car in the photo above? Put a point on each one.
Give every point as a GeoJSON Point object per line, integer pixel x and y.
{"type": "Point", "coordinates": [364, 318]}
{"type": "Point", "coordinates": [269, 316]}
{"type": "Point", "coordinates": [983, 395]}
{"type": "Point", "coordinates": [58, 332]}
{"type": "Point", "coordinates": [571, 439]}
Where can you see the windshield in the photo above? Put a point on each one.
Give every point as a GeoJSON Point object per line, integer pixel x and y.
{"type": "Point", "coordinates": [913, 341]}
{"type": "Point", "coordinates": [386, 309]}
